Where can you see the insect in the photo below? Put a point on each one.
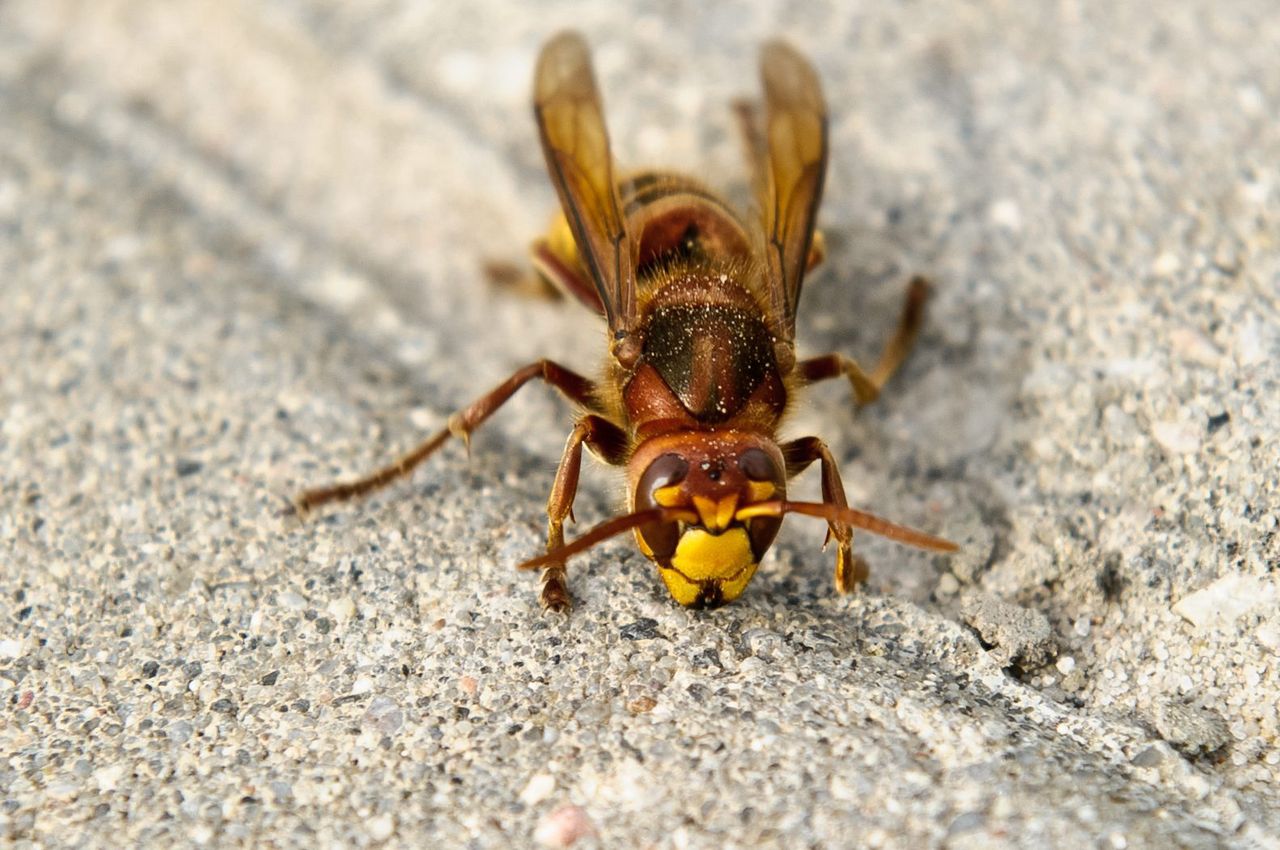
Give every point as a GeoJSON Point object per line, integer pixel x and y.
{"type": "Point", "coordinates": [700, 304]}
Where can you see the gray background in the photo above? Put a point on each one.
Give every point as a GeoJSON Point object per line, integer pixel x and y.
{"type": "Point", "coordinates": [240, 253]}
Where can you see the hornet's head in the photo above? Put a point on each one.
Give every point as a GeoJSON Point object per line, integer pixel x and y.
{"type": "Point", "coordinates": [705, 507]}
{"type": "Point", "coordinates": [710, 543]}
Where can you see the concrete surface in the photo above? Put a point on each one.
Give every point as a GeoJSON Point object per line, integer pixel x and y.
{"type": "Point", "coordinates": [240, 253]}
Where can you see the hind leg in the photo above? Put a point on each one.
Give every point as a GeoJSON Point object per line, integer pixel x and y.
{"type": "Point", "coordinates": [866, 387]}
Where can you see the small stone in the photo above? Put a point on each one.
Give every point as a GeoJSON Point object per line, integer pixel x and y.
{"type": "Point", "coordinates": [380, 827]}
{"type": "Point", "coordinates": [1017, 636]}
{"type": "Point", "coordinates": [1150, 757]}
{"type": "Point", "coordinates": [1189, 730]}
{"type": "Point", "coordinates": [1066, 664]}
{"type": "Point", "coordinates": [185, 467]}
{"type": "Point", "coordinates": [1226, 600]}
{"type": "Point", "coordinates": [63, 790]}
{"type": "Point", "coordinates": [384, 715]}
{"type": "Point", "coordinates": [1179, 438]}
{"type": "Point", "coordinates": [563, 827]}
{"type": "Point", "coordinates": [1268, 634]}
{"type": "Point", "coordinates": [966, 822]}
{"type": "Point", "coordinates": [1166, 265]}
{"type": "Point", "coordinates": [342, 609]}
{"type": "Point", "coordinates": [1252, 342]}
{"type": "Point", "coordinates": [646, 628]}
{"type": "Point", "coordinates": [291, 600]}
{"type": "Point", "coordinates": [1007, 214]}
{"type": "Point", "coordinates": [108, 777]}
{"type": "Point", "coordinates": [1194, 346]}
{"type": "Point", "coordinates": [539, 787]}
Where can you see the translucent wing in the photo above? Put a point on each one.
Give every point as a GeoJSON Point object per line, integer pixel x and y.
{"type": "Point", "coordinates": [790, 185]}
{"type": "Point", "coordinates": [566, 103]}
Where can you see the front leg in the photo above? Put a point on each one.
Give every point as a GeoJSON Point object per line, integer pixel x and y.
{"type": "Point", "coordinates": [608, 442]}
{"type": "Point", "coordinates": [576, 388]}
{"type": "Point", "coordinates": [851, 570]}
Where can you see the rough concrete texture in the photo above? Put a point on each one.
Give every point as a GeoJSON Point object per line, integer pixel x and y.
{"type": "Point", "coordinates": [240, 253]}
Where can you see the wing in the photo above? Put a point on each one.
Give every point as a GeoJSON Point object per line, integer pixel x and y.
{"type": "Point", "coordinates": [566, 103]}
{"type": "Point", "coordinates": [789, 181]}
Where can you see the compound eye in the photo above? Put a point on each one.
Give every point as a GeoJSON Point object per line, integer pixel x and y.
{"type": "Point", "coordinates": [661, 538]}
{"type": "Point", "coordinates": [762, 530]}
{"type": "Point", "coordinates": [758, 466]}
{"type": "Point", "coordinates": [767, 482]}
{"type": "Point", "coordinates": [665, 471]}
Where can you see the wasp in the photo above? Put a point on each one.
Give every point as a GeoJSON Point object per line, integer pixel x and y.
{"type": "Point", "coordinates": [700, 304]}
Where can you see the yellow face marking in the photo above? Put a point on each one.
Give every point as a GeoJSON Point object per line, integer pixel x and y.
{"type": "Point", "coordinates": [686, 592]}
{"type": "Point", "coordinates": [716, 515]}
{"type": "Point", "coordinates": [753, 511]}
{"type": "Point", "coordinates": [706, 510]}
{"type": "Point", "coordinates": [702, 556]}
{"type": "Point", "coordinates": [732, 588]}
{"type": "Point", "coordinates": [682, 590]}
{"type": "Point", "coordinates": [669, 496]}
{"type": "Point", "coordinates": [724, 510]}
{"type": "Point", "coordinates": [760, 491]}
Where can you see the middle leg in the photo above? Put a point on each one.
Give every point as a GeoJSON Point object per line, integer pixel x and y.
{"type": "Point", "coordinates": [851, 570]}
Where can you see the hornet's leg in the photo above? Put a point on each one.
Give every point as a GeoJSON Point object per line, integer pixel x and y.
{"type": "Point", "coordinates": [851, 570]}
{"type": "Point", "coordinates": [577, 388]}
{"type": "Point", "coordinates": [519, 280]}
{"type": "Point", "coordinates": [866, 388]}
{"type": "Point", "coordinates": [608, 442]}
